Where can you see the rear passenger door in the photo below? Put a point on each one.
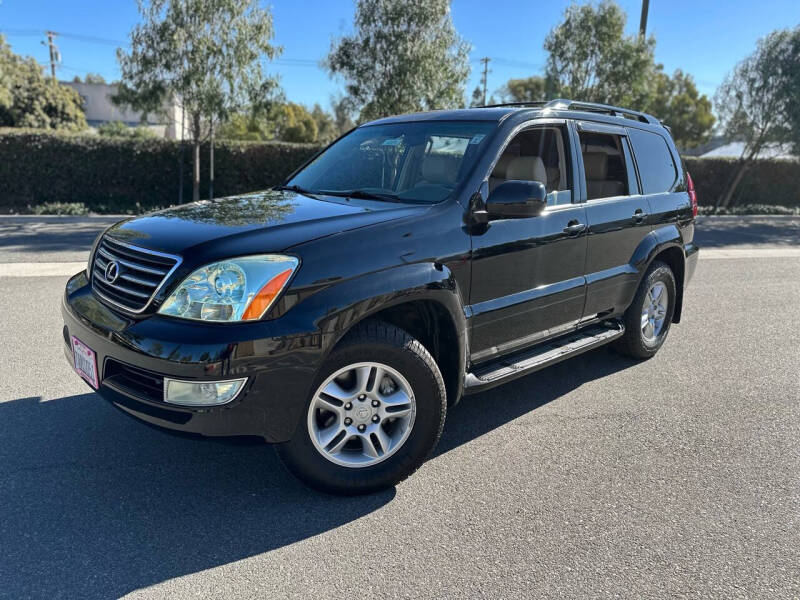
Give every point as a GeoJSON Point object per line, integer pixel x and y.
{"type": "Point", "coordinates": [618, 217]}
{"type": "Point", "coordinates": [662, 180]}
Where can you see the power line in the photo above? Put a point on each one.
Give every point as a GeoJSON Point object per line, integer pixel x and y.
{"type": "Point", "coordinates": [72, 36]}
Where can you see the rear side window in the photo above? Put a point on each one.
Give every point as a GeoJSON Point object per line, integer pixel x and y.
{"type": "Point", "coordinates": [656, 167]}
{"type": "Point", "coordinates": [604, 165]}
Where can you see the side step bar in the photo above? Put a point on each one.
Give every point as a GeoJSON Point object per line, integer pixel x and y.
{"type": "Point", "coordinates": [529, 361]}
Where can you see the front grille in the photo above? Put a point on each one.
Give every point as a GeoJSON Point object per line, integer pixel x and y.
{"type": "Point", "coordinates": [136, 277]}
{"type": "Point", "coordinates": [133, 381]}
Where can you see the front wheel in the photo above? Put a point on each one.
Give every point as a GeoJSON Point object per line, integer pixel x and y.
{"type": "Point", "coordinates": [376, 411]}
{"type": "Point", "coordinates": [649, 316]}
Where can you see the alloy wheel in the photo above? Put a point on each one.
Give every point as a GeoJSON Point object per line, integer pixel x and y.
{"type": "Point", "coordinates": [361, 415]}
{"type": "Point", "coordinates": [654, 311]}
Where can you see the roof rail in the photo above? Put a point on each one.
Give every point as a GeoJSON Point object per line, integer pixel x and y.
{"type": "Point", "coordinates": [617, 111]}
{"type": "Point", "coordinates": [534, 103]}
{"type": "Point", "coordinates": [566, 104]}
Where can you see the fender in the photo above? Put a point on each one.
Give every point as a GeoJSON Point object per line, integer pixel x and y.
{"type": "Point", "coordinates": [333, 311]}
{"type": "Point", "coordinates": [654, 244]}
{"type": "Point", "coordinates": [351, 301]}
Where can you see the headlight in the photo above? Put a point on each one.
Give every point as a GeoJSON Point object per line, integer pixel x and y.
{"type": "Point", "coordinates": [239, 289]}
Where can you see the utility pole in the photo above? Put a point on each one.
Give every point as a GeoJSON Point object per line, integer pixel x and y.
{"type": "Point", "coordinates": [55, 55]}
{"type": "Point", "coordinates": [485, 60]}
{"type": "Point", "coordinates": [643, 21]}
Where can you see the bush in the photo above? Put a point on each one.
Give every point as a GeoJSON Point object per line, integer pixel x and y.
{"type": "Point", "coordinates": [124, 175]}
{"type": "Point", "coordinates": [119, 129]}
{"type": "Point", "coordinates": [750, 209]}
{"type": "Point", "coordinates": [768, 181]}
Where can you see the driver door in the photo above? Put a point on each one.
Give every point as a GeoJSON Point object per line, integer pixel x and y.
{"type": "Point", "coordinates": [528, 278]}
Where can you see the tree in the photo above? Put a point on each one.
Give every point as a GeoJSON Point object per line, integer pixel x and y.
{"type": "Point", "coordinates": [477, 97]}
{"type": "Point", "coordinates": [677, 102]}
{"type": "Point", "coordinates": [206, 55]}
{"type": "Point", "coordinates": [529, 89]}
{"type": "Point", "coordinates": [29, 99]}
{"type": "Point", "coordinates": [342, 114]}
{"type": "Point", "coordinates": [326, 126]}
{"type": "Point", "coordinates": [591, 58]}
{"type": "Point", "coordinates": [754, 101]}
{"type": "Point", "coordinates": [404, 56]}
{"type": "Point", "coordinates": [791, 88]}
{"type": "Point", "coordinates": [295, 124]}
{"type": "Point", "coordinates": [248, 126]}
{"type": "Point", "coordinates": [120, 129]}
{"type": "Point", "coordinates": [288, 122]}
{"type": "Point", "coordinates": [90, 78]}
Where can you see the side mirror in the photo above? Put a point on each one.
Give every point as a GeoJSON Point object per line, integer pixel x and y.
{"type": "Point", "coordinates": [515, 199]}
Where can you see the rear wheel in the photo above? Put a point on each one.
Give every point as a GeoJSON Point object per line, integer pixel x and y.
{"type": "Point", "coordinates": [649, 316]}
{"type": "Point", "coordinates": [376, 411]}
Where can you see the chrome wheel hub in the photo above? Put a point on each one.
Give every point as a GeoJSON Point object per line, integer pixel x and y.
{"type": "Point", "coordinates": [654, 311]}
{"type": "Point", "coordinates": [361, 414]}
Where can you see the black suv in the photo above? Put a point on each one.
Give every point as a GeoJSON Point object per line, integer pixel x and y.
{"type": "Point", "coordinates": [416, 259]}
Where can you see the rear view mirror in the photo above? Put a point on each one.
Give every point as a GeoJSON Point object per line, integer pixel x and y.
{"type": "Point", "coordinates": [516, 199]}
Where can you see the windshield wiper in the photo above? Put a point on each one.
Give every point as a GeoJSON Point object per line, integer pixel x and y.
{"type": "Point", "coordinates": [362, 194]}
{"type": "Point", "coordinates": [298, 189]}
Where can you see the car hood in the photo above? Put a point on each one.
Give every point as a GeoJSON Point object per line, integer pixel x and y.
{"type": "Point", "coordinates": [269, 221]}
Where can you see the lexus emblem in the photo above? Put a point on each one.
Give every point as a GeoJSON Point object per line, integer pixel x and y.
{"type": "Point", "coordinates": [112, 271]}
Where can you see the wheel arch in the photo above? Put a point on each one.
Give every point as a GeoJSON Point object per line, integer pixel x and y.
{"type": "Point", "coordinates": [422, 299]}
{"type": "Point", "coordinates": [666, 245]}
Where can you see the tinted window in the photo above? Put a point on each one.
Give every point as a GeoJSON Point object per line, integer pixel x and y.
{"type": "Point", "coordinates": [538, 154]}
{"type": "Point", "coordinates": [416, 162]}
{"type": "Point", "coordinates": [656, 167]}
{"type": "Point", "coordinates": [603, 165]}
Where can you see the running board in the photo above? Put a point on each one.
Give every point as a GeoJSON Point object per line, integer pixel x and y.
{"type": "Point", "coordinates": [529, 361]}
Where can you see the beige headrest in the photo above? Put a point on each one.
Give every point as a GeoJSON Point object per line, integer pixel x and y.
{"type": "Point", "coordinates": [439, 169]}
{"type": "Point", "coordinates": [527, 168]}
{"type": "Point", "coordinates": [595, 165]}
{"type": "Point", "coordinates": [501, 166]}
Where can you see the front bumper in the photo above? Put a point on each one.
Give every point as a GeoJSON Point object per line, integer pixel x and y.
{"type": "Point", "coordinates": [133, 355]}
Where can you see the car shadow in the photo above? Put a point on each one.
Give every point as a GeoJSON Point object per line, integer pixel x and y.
{"type": "Point", "coordinates": [481, 413]}
{"type": "Point", "coordinates": [95, 504]}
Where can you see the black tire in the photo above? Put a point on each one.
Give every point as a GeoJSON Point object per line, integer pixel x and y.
{"type": "Point", "coordinates": [634, 343]}
{"type": "Point", "coordinates": [374, 341]}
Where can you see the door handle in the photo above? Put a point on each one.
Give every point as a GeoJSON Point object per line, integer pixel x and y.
{"type": "Point", "coordinates": [574, 228]}
{"type": "Point", "coordinates": [639, 215]}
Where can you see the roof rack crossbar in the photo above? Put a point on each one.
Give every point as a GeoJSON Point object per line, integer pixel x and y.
{"type": "Point", "coordinates": [566, 104]}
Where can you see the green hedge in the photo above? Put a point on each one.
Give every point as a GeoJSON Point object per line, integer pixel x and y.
{"type": "Point", "coordinates": [129, 175]}
{"type": "Point", "coordinates": [768, 181]}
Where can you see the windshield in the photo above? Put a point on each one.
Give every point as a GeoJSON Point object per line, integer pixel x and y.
{"type": "Point", "coordinates": [402, 162]}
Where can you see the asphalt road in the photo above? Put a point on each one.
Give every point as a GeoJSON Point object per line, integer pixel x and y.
{"type": "Point", "coordinates": [600, 477]}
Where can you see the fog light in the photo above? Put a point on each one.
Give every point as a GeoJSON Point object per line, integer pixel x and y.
{"type": "Point", "coordinates": [201, 393]}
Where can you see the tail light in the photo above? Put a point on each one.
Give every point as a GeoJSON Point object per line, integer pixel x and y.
{"type": "Point", "coordinates": [692, 194]}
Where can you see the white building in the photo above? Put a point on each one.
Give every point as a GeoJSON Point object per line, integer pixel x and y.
{"type": "Point", "coordinates": [100, 109]}
{"type": "Point", "coordinates": [735, 149]}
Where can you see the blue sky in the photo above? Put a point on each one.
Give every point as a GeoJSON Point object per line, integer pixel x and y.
{"type": "Point", "coordinates": [703, 37]}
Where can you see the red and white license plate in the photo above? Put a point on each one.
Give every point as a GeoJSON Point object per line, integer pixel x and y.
{"type": "Point", "coordinates": [85, 362]}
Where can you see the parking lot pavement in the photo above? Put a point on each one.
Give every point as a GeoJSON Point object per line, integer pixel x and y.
{"type": "Point", "coordinates": [601, 477]}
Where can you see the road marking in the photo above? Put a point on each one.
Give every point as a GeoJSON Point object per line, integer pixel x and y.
{"type": "Point", "coordinates": [719, 253]}
{"type": "Point", "coordinates": [40, 269]}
